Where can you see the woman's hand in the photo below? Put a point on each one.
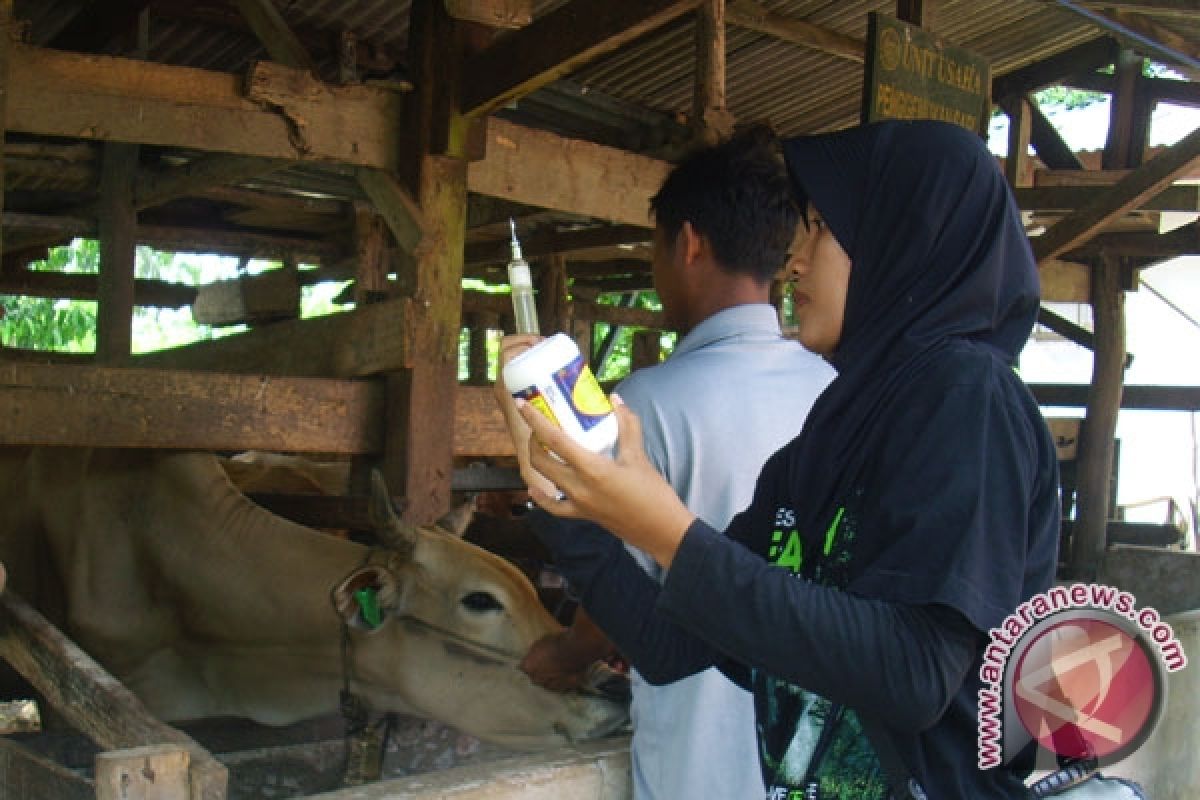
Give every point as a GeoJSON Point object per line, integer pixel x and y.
{"type": "Point", "coordinates": [625, 495]}
{"type": "Point", "coordinates": [512, 346]}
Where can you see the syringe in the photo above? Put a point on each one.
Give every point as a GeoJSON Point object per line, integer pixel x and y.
{"type": "Point", "coordinates": [521, 281]}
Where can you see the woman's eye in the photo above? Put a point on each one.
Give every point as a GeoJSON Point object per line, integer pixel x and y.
{"type": "Point", "coordinates": [481, 601]}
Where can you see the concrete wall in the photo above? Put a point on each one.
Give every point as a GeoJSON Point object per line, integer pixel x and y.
{"type": "Point", "coordinates": [593, 771]}
{"type": "Point", "coordinates": [1168, 764]}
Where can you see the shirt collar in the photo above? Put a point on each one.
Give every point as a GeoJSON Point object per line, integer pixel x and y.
{"type": "Point", "coordinates": [752, 319]}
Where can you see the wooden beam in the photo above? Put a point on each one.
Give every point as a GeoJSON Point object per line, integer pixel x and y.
{"type": "Point", "coordinates": [1129, 119]}
{"type": "Point", "coordinates": [105, 407]}
{"type": "Point", "coordinates": [118, 254]}
{"type": "Point", "coordinates": [275, 34]}
{"type": "Point", "coordinates": [752, 16]}
{"type": "Point", "coordinates": [1144, 35]}
{"type": "Point", "coordinates": [1045, 138]}
{"type": "Point", "coordinates": [394, 203]}
{"type": "Point", "coordinates": [479, 428]}
{"type": "Point", "coordinates": [541, 169]}
{"type": "Point", "coordinates": [1153, 247]}
{"type": "Point", "coordinates": [1133, 190]}
{"type": "Point", "coordinates": [1182, 197]}
{"type": "Point", "coordinates": [118, 99]}
{"type": "Point", "coordinates": [1179, 9]}
{"type": "Point", "coordinates": [1081, 59]}
{"type": "Point", "coordinates": [89, 698]}
{"type": "Point", "coordinates": [546, 244]}
{"type": "Point", "coordinates": [493, 13]}
{"type": "Point", "coordinates": [556, 45]}
{"type": "Point", "coordinates": [1155, 90]}
{"type": "Point", "coordinates": [73, 286]}
{"type": "Point", "coordinates": [1064, 281]}
{"type": "Point", "coordinates": [98, 22]}
{"type": "Point", "coordinates": [1152, 398]}
{"type": "Point", "coordinates": [369, 340]}
{"type": "Point", "coordinates": [1066, 328]}
{"type": "Point", "coordinates": [370, 256]}
{"type": "Point", "coordinates": [155, 187]}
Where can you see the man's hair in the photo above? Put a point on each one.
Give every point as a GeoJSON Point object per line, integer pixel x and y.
{"type": "Point", "coordinates": [738, 195]}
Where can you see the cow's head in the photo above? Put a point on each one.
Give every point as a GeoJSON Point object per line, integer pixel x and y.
{"type": "Point", "coordinates": [452, 624]}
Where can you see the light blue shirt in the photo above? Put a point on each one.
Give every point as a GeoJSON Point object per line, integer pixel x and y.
{"type": "Point", "coordinates": [733, 392]}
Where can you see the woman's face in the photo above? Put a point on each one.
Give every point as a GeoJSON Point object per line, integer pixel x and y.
{"type": "Point", "coordinates": [820, 271]}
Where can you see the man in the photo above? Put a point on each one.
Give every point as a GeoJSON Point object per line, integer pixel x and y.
{"type": "Point", "coordinates": [732, 393]}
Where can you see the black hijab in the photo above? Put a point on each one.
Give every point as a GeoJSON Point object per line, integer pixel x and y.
{"type": "Point", "coordinates": [938, 255]}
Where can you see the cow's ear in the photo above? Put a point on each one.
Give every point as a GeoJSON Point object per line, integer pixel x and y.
{"type": "Point", "coordinates": [367, 596]}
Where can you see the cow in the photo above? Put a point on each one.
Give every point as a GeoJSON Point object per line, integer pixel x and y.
{"type": "Point", "coordinates": [205, 604]}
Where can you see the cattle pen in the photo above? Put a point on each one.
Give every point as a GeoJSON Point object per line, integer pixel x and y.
{"type": "Point", "coordinates": [387, 144]}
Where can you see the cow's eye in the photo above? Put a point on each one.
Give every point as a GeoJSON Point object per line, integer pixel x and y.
{"type": "Point", "coordinates": [482, 601]}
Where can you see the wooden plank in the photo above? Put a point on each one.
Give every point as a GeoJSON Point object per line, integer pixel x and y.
{"type": "Point", "coordinates": [118, 243]}
{"type": "Point", "coordinates": [105, 407]}
{"type": "Point", "coordinates": [369, 340]}
{"type": "Point", "coordinates": [153, 188]}
{"type": "Point", "coordinates": [1144, 246]}
{"type": "Point", "coordinates": [394, 203]}
{"type": "Point", "coordinates": [493, 13]}
{"type": "Point", "coordinates": [271, 296]}
{"type": "Point", "coordinates": [89, 698]}
{"type": "Point", "coordinates": [497, 252]}
{"type": "Point", "coordinates": [118, 99]}
{"type": "Point", "coordinates": [1164, 580]}
{"type": "Point", "coordinates": [752, 16]}
{"type": "Point", "coordinates": [150, 772]}
{"type": "Point", "coordinates": [549, 171]}
{"type": "Point", "coordinates": [275, 34]}
{"type": "Point", "coordinates": [160, 294]}
{"type": "Point", "coordinates": [1064, 281]}
{"type": "Point", "coordinates": [370, 256]}
{"type": "Point", "coordinates": [1094, 464]}
{"type": "Point", "coordinates": [1125, 145]}
{"type": "Point", "coordinates": [1183, 197]}
{"type": "Point", "coordinates": [24, 775]}
{"type": "Point", "coordinates": [1158, 398]}
{"type": "Point", "coordinates": [556, 45]}
{"type": "Point", "coordinates": [1131, 192]}
{"type": "Point", "coordinates": [479, 429]}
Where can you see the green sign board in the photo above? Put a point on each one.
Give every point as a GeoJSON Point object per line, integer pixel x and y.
{"type": "Point", "coordinates": [912, 74]}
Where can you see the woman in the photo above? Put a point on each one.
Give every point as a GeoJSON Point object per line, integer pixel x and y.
{"type": "Point", "coordinates": [917, 508]}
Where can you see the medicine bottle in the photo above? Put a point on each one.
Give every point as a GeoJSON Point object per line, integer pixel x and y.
{"type": "Point", "coordinates": [554, 378]}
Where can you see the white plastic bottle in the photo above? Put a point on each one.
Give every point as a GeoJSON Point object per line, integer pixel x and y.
{"type": "Point", "coordinates": [554, 378]}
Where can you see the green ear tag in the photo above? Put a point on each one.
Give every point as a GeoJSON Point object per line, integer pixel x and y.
{"type": "Point", "coordinates": [368, 603]}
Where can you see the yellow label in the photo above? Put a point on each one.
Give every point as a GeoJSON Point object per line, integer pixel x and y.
{"type": "Point", "coordinates": [587, 395]}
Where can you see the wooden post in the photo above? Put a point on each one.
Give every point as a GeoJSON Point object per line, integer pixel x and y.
{"type": "Point", "coordinates": [419, 445]}
{"type": "Point", "coordinates": [1020, 123]}
{"type": "Point", "coordinates": [711, 121]}
{"type": "Point", "coordinates": [371, 251]}
{"type": "Point", "coordinates": [921, 13]}
{"type": "Point", "coordinates": [479, 324]}
{"type": "Point", "coordinates": [647, 347]}
{"type": "Point", "coordinates": [554, 308]}
{"type": "Point", "coordinates": [118, 237]}
{"type": "Point", "coordinates": [1095, 459]}
{"type": "Point", "coordinates": [1121, 151]}
{"type": "Point", "coordinates": [5, 40]}
{"type": "Point", "coordinates": [154, 772]}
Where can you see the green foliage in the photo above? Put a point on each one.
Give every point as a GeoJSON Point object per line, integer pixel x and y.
{"type": "Point", "coordinates": [618, 363]}
{"type": "Point", "coordinates": [1068, 98]}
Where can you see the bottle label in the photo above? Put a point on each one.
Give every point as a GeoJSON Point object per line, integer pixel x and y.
{"type": "Point", "coordinates": [571, 399]}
